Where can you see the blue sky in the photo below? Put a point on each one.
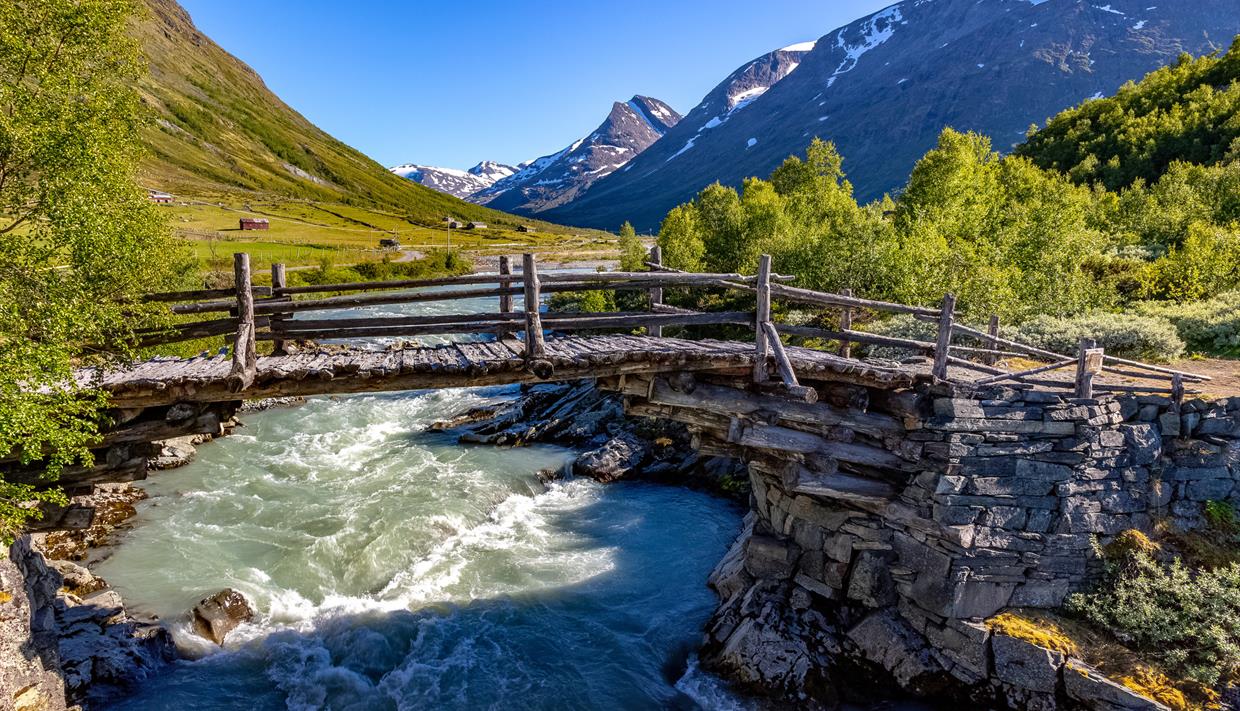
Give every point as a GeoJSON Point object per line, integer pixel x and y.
{"type": "Point", "coordinates": [451, 83]}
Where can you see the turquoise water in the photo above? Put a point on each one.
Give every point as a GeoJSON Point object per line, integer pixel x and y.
{"type": "Point", "coordinates": [393, 568]}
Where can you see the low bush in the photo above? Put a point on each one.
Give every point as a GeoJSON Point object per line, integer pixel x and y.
{"type": "Point", "coordinates": [1211, 326]}
{"type": "Point", "coordinates": [1123, 335]}
{"type": "Point", "coordinates": [1187, 622]}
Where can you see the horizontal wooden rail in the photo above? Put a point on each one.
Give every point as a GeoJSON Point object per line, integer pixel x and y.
{"type": "Point", "coordinates": [1051, 355]}
{"type": "Point", "coordinates": [805, 296]}
{"type": "Point", "coordinates": [337, 329]}
{"type": "Point", "coordinates": [874, 339]}
{"type": "Point", "coordinates": [200, 294]}
{"type": "Point", "coordinates": [278, 305]}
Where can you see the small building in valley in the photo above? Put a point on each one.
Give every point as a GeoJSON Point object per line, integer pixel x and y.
{"type": "Point", "coordinates": [477, 225]}
{"type": "Point", "coordinates": [161, 198]}
{"type": "Point", "coordinates": [389, 243]}
{"type": "Point", "coordinates": [254, 223]}
{"type": "Point", "coordinates": [454, 225]}
{"type": "Point", "coordinates": [525, 228]}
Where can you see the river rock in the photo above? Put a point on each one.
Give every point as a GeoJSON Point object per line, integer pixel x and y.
{"type": "Point", "coordinates": [614, 460]}
{"type": "Point", "coordinates": [78, 580]}
{"type": "Point", "coordinates": [214, 617]}
{"type": "Point", "coordinates": [173, 453]}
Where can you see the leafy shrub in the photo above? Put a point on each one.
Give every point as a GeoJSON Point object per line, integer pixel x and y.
{"type": "Point", "coordinates": [1186, 621]}
{"type": "Point", "coordinates": [1211, 326]}
{"type": "Point", "coordinates": [1124, 335]}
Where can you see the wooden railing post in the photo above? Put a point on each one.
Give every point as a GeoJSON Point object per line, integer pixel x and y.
{"type": "Point", "coordinates": [656, 294]}
{"type": "Point", "coordinates": [1088, 364]}
{"type": "Point", "coordinates": [245, 355]}
{"type": "Point", "coordinates": [505, 300]}
{"type": "Point", "coordinates": [993, 331]}
{"type": "Point", "coordinates": [534, 344]}
{"type": "Point", "coordinates": [845, 325]}
{"type": "Point", "coordinates": [278, 282]}
{"type": "Point", "coordinates": [762, 314]}
{"type": "Point", "coordinates": [943, 345]}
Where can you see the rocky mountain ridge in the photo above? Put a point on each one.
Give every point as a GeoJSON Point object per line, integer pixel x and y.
{"type": "Point", "coordinates": [457, 183]}
{"type": "Point", "coordinates": [883, 88]}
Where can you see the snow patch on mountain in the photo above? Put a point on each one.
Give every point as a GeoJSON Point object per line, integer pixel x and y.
{"type": "Point", "coordinates": [453, 181]}
{"type": "Point", "coordinates": [875, 30]}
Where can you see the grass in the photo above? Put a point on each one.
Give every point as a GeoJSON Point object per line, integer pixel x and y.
{"type": "Point", "coordinates": [304, 233]}
{"type": "Point", "coordinates": [1098, 649]}
{"type": "Point", "coordinates": [218, 133]}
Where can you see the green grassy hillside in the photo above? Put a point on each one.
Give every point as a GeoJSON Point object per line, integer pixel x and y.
{"type": "Point", "coordinates": [222, 137]}
{"type": "Point", "coordinates": [1189, 111]}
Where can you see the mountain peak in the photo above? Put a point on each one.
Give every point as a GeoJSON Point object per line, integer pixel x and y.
{"type": "Point", "coordinates": [630, 127]}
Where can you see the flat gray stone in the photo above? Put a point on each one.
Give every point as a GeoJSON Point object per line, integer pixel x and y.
{"type": "Point", "coordinates": [1025, 665]}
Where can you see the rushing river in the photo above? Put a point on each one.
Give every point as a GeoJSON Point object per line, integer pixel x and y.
{"type": "Point", "coordinates": [393, 568]}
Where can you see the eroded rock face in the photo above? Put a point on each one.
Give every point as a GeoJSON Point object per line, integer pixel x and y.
{"type": "Point", "coordinates": [214, 617]}
{"type": "Point", "coordinates": [103, 649]}
{"type": "Point", "coordinates": [29, 653]}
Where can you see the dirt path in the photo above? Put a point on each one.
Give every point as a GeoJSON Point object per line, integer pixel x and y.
{"type": "Point", "coordinates": [1225, 375]}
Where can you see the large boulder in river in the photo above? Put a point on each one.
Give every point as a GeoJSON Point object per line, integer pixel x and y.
{"type": "Point", "coordinates": [214, 617]}
{"type": "Point", "coordinates": [614, 460]}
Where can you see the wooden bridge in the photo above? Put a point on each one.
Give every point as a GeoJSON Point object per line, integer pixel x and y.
{"type": "Point", "coordinates": [510, 345]}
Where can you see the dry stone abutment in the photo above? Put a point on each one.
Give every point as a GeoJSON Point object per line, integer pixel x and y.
{"type": "Point", "coordinates": [888, 523]}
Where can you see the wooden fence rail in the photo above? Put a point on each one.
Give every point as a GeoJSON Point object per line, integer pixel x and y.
{"type": "Point", "coordinates": [273, 316]}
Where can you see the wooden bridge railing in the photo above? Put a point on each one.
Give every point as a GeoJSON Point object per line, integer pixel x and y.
{"type": "Point", "coordinates": [256, 313]}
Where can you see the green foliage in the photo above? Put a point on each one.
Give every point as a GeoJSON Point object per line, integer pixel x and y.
{"type": "Point", "coordinates": [1187, 621]}
{"type": "Point", "coordinates": [1211, 326]}
{"type": "Point", "coordinates": [77, 237]}
{"type": "Point", "coordinates": [1206, 263]}
{"type": "Point", "coordinates": [680, 237]}
{"type": "Point", "coordinates": [1123, 335]}
{"type": "Point", "coordinates": [1221, 517]}
{"type": "Point", "coordinates": [1188, 111]}
{"type": "Point", "coordinates": [632, 251]}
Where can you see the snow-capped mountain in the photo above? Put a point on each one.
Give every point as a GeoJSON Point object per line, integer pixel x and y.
{"type": "Point", "coordinates": [630, 128]}
{"type": "Point", "coordinates": [884, 86]}
{"type": "Point", "coordinates": [458, 183]}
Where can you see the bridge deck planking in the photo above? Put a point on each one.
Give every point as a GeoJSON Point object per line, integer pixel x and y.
{"type": "Point", "coordinates": [346, 370]}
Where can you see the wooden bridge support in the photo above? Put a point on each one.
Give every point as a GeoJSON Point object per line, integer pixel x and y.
{"type": "Point", "coordinates": [245, 352]}
{"type": "Point", "coordinates": [278, 283]}
{"type": "Point", "coordinates": [762, 316]}
{"type": "Point", "coordinates": [535, 346]}
{"type": "Point", "coordinates": [505, 298]}
{"type": "Point", "coordinates": [656, 294]}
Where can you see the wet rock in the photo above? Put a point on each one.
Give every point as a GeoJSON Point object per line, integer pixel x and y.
{"type": "Point", "coordinates": [614, 460]}
{"type": "Point", "coordinates": [112, 505]}
{"type": "Point", "coordinates": [214, 617]}
{"type": "Point", "coordinates": [173, 453]}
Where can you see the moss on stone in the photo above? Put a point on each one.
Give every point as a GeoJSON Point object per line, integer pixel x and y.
{"type": "Point", "coordinates": [1156, 685]}
{"type": "Point", "coordinates": [1127, 543]}
{"type": "Point", "coordinates": [1041, 632]}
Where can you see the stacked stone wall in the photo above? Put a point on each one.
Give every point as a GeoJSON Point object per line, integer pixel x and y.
{"type": "Point", "coordinates": [1016, 490]}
